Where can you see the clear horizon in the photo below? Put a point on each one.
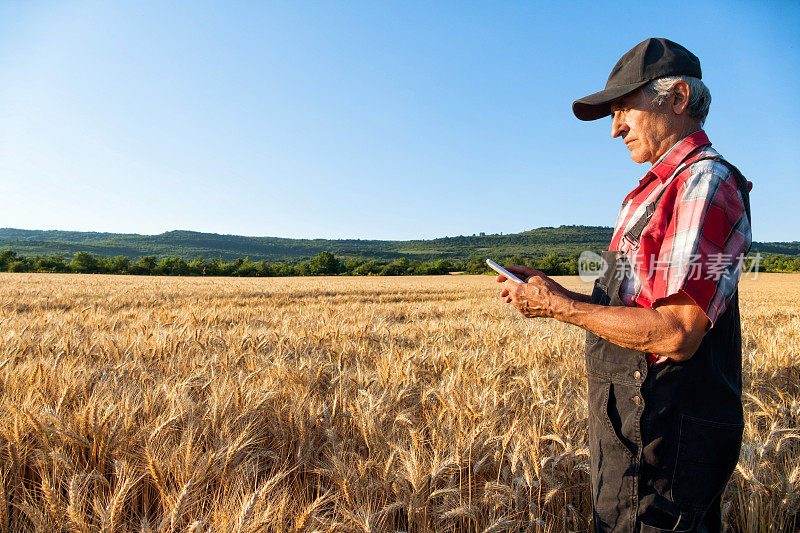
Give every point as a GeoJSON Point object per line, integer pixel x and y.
{"type": "Point", "coordinates": [330, 238]}
{"type": "Point", "coordinates": [363, 121]}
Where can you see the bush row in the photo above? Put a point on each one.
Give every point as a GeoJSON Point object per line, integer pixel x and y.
{"type": "Point", "coordinates": [325, 263]}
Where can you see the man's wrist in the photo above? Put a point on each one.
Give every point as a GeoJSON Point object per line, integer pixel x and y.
{"type": "Point", "coordinates": [561, 306]}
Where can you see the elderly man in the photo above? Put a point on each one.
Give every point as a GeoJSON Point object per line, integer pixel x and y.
{"type": "Point", "coordinates": [663, 341]}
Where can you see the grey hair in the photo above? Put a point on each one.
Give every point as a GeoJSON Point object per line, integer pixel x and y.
{"type": "Point", "coordinates": [699, 95]}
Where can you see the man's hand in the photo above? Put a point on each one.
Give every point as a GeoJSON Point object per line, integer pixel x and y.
{"type": "Point", "coordinates": [526, 273]}
{"type": "Point", "coordinates": [536, 297]}
{"type": "Point", "coordinates": [522, 272]}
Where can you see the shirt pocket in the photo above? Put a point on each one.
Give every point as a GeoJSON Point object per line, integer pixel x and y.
{"type": "Point", "coordinates": [707, 455]}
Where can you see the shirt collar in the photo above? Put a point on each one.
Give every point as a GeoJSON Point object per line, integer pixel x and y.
{"type": "Point", "coordinates": [666, 165]}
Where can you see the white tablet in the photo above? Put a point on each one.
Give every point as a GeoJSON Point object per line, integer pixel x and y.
{"type": "Point", "coordinates": [502, 271]}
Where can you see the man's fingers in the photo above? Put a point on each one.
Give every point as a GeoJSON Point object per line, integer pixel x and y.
{"type": "Point", "coordinates": [520, 271]}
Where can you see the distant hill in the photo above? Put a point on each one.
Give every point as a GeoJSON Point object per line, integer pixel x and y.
{"type": "Point", "coordinates": [536, 243]}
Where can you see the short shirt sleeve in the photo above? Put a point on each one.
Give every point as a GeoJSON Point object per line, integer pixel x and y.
{"type": "Point", "coordinates": [706, 240]}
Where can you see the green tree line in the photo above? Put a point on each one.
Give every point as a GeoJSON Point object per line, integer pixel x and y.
{"type": "Point", "coordinates": [324, 264]}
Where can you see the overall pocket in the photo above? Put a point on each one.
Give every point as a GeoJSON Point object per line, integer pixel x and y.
{"type": "Point", "coordinates": [611, 425]}
{"type": "Point", "coordinates": [611, 462]}
{"type": "Point", "coordinates": [707, 455]}
{"type": "Point", "coordinates": [600, 293]}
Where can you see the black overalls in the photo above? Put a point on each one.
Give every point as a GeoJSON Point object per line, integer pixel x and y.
{"type": "Point", "coordinates": [663, 440]}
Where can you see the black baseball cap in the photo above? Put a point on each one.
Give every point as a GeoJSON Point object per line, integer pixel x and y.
{"type": "Point", "coordinates": [650, 59]}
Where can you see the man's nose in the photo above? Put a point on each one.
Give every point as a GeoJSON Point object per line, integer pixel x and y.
{"type": "Point", "coordinates": [618, 126]}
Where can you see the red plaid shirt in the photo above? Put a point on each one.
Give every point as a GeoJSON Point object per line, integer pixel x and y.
{"type": "Point", "coordinates": [697, 237]}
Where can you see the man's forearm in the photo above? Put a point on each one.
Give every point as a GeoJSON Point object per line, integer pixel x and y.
{"type": "Point", "coordinates": [577, 296]}
{"type": "Point", "coordinates": [586, 298]}
{"type": "Point", "coordinates": [637, 328]}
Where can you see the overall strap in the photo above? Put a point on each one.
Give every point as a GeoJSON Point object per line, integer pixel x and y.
{"type": "Point", "coordinates": [635, 232]}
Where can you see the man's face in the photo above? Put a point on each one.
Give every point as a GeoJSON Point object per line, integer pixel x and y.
{"type": "Point", "coordinates": [645, 129]}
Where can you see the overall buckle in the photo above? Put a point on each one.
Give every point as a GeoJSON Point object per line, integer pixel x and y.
{"type": "Point", "coordinates": [632, 239]}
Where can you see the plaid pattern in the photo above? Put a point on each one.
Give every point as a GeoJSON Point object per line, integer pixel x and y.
{"type": "Point", "coordinates": [697, 237]}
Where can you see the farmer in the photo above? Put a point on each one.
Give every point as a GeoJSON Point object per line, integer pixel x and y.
{"type": "Point", "coordinates": [663, 344]}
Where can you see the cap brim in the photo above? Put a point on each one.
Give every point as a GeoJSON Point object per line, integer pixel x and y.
{"type": "Point", "coordinates": [598, 105]}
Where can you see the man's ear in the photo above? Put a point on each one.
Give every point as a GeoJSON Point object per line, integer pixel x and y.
{"type": "Point", "coordinates": [680, 97]}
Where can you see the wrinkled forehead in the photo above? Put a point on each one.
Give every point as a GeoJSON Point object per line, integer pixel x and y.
{"type": "Point", "coordinates": [624, 102]}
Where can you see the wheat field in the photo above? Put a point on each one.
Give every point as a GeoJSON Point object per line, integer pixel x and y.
{"type": "Point", "coordinates": [332, 404]}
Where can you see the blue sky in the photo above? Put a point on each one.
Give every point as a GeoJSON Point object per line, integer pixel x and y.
{"type": "Point", "coordinates": [389, 120]}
